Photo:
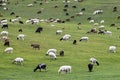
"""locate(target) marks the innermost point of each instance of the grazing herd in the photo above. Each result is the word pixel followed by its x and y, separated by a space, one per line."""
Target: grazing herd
pixel 52 53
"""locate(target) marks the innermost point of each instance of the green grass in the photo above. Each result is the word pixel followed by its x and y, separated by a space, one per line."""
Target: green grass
pixel 75 55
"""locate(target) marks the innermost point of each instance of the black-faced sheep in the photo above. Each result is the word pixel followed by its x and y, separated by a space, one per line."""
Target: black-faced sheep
pixel 35 46
pixel 65 68
pixel 84 39
pixel 65 37
pixel 40 66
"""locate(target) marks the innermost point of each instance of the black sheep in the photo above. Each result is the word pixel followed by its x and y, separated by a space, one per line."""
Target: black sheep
pixel 75 41
pixel 90 67
pixel 39 29
pixel 61 53
pixel 40 66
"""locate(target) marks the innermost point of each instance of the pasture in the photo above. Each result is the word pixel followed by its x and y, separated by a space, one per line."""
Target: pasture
pixel 75 55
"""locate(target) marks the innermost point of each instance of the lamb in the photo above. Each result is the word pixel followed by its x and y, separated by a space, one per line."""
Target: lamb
pixel 35 46
pixel 108 33
pixel 18 60
pixel 112 49
pixel 74 42
pixel 8 50
pixel 20 36
pixel 84 39
pixel 61 53
pixel 7 43
pixel 65 68
pixel 40 66
pixel 93 61
pixel 90 67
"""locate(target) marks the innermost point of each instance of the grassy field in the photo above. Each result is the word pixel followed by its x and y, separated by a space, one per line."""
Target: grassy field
pixel 75 55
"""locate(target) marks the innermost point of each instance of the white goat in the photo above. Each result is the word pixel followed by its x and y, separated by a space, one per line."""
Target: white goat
pixel 8 50
pixel 18 60
pixel 112 49
pixel 84 39
pixel 20 36
pixel 65 68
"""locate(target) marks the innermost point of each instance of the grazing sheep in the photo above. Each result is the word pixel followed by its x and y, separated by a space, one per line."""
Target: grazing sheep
pixel 102 21
pixel 59 32
pixel 84 39
pixel 7 43
pixel 30 5
pixel 40 66
pixel 52 55
pixel 112 49
pixel 20 30
pixel 4 33
pixel 61 53
pixel 90 67
pixel 65 37
pixel 74 42
pixel 108 33
pixel 65 68
pixel 93 61
pixel 8 50
pixel 39 29
pixel 20 36
pixel 35 46
pixel 18 60
pixel 51 50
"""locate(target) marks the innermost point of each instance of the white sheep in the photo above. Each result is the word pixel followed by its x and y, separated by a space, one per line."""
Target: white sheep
pixel 52 55
pixel 102 21
pixel 20 36
pixel 18 60
pixel 84 39
pixel 65 68
pixel 51 50
pixel 59 32
pixel 92 21
pixel 30 5
pixel 4 33
pixel 66 37
pixel 102 27
pixel 9 50
pixel 108 33
pixel 112 49
pixel 93 61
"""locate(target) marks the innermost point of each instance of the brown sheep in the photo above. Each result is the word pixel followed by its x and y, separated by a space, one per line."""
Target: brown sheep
pixel 35 46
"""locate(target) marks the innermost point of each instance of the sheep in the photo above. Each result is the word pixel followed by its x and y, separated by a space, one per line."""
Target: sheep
pixel 4 38
pixel 39 29
pixel 59 32
pixel 20 30
pixel 61 53
pixel 18 60
pixel 4 25
pixel 20 36
pixel 91 21
pixel 8 50
pixel 90 67
pixel 51 50
pixel 74 42
pixel 99 11
pixel 52 55
pixel 93 61
pixel 102 21
pixel 65 37
pixel 112 49
pixel 29 5
pixel 4 33
pixel 108 33
pixel 35 46
pixel 40 66
pixel 84 39
pixel 65 68
pixel 7 43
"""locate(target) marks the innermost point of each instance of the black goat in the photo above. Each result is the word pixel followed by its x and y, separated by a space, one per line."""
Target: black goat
pixel 40 66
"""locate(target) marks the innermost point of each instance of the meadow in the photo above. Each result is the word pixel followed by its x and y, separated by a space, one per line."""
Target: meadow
pixel 75 55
